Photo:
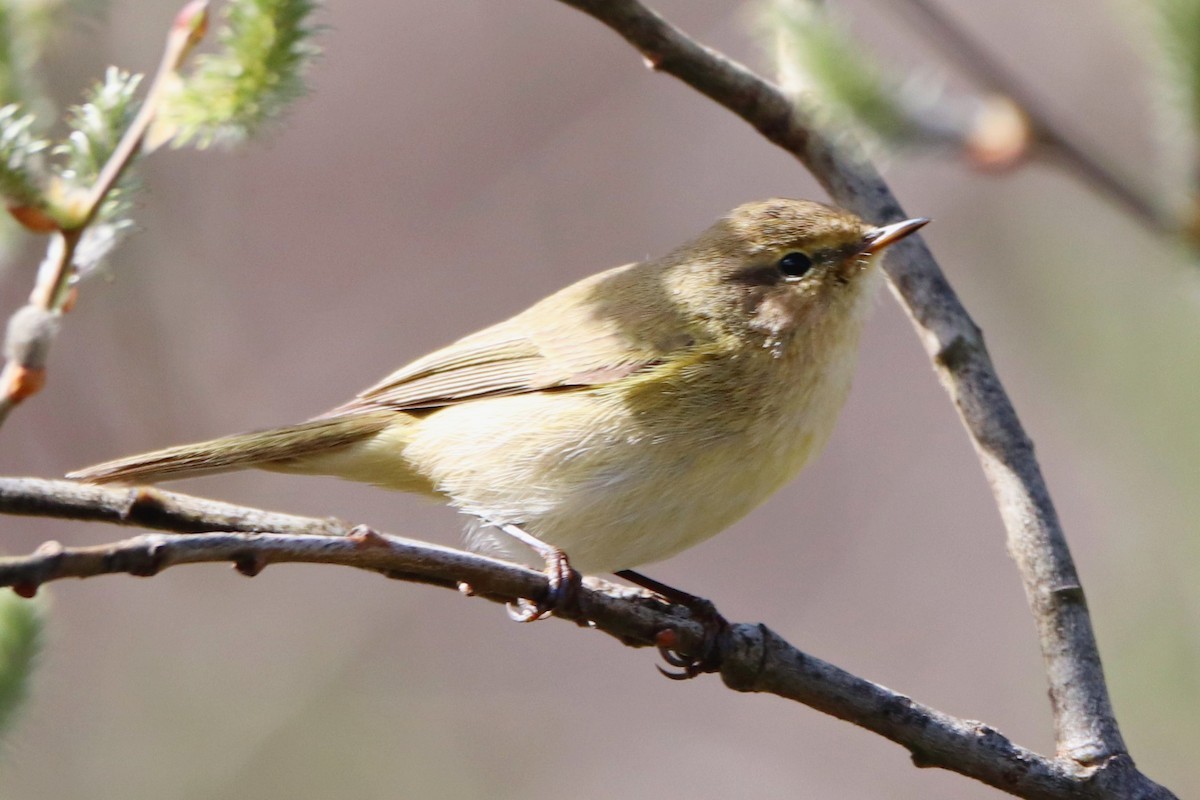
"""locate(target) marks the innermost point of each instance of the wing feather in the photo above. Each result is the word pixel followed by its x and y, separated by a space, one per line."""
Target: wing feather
pixel 534 351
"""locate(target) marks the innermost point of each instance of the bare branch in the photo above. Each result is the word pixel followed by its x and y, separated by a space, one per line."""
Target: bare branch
pixel 148 507
pixel 753 658
pixel 1086 728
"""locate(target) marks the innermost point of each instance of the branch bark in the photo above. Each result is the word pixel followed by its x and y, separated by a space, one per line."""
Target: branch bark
pixel 1086 728
pixel 753 658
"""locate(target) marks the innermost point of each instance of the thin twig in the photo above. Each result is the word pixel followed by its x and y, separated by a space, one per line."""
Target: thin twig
pixel 753 658
pixel 1056 140
pixel 23 376
pixel 1086 728
pixel 148 507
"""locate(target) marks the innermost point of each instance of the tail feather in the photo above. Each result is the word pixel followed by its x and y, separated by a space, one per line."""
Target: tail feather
pixel 239 451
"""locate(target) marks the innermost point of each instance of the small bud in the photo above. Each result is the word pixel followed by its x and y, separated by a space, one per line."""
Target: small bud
pixel 20 383
pixel 193 19
pixel 1000 136
pixel 362 536
pixel 34 219
pixel 31 331
pixel 249 564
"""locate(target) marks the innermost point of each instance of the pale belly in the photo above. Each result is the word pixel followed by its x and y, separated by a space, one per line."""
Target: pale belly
pixel 576 471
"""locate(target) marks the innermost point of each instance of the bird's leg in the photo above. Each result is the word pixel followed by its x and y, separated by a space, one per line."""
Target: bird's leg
pixel 703 611
pixel 564 580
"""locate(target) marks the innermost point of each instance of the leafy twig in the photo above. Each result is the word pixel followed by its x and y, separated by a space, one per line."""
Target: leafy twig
pixel 33 328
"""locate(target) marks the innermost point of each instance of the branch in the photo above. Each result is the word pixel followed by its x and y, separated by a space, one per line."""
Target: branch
pixel 34 327
pixel 971 57
pixel 1086 728
pixel 753 658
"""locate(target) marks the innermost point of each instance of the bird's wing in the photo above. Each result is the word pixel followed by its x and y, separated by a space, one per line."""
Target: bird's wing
pixel 531 352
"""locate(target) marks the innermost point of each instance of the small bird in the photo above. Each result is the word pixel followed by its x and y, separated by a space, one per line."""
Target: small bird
pixel 620 420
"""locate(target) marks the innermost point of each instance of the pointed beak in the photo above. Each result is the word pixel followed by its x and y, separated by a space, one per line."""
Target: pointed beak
pixel 879 238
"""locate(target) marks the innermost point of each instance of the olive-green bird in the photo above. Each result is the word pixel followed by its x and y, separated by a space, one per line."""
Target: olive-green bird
pixel 620 420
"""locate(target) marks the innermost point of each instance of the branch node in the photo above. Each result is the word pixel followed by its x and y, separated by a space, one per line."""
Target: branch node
pixel 250 563
pixel 144 563
pixel 1068 593
pixel 26 590
pixel 746 656
pixel 141 500
pixel 956 354
pixel 367 538
pixel 49 549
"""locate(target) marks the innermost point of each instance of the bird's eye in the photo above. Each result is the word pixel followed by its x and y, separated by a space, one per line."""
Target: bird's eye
pixel 795 265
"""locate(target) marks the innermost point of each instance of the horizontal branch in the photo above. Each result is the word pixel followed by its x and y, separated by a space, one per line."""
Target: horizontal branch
pixel 753 658
pixel 148 507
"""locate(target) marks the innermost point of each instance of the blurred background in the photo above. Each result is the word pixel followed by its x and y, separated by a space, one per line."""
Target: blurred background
pixel 456 161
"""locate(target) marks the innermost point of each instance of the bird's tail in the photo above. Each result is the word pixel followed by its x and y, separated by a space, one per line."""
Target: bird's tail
pixel 240 451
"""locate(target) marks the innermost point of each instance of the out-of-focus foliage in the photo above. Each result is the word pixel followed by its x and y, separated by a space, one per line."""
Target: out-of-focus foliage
pixel 20 157
pixel 1178 35
pixel 816 55
pixel 27 27
pixel 21 626
pixel 266 48
pixel 1175 50
pixel 96 127
pixel 886 109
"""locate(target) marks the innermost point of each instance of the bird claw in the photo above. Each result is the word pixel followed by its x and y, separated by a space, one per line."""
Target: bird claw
pixel 687 665
pixel 524 610
pixel 562 590
pixel 708 659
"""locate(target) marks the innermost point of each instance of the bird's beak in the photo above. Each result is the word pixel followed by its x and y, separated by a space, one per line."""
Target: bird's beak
pixel 879 238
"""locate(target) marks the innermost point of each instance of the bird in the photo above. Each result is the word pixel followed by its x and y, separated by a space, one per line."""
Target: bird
pixel 618 421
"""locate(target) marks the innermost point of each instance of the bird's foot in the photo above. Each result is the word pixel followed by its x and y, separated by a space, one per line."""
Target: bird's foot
pixel 686 664
pixel 563 581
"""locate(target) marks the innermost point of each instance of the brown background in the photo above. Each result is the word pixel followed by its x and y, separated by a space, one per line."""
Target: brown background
pixel 454 162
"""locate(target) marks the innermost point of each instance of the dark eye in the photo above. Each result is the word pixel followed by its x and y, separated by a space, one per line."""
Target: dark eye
pixel 795 265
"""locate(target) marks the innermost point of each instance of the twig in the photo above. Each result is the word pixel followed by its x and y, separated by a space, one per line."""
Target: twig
pixel 189 27
pixel 1086 728
pixel 987 70
pixel 753 658
pixel 147 507
pixel 27 345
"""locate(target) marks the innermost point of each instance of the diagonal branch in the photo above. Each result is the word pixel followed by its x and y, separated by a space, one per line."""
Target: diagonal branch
pixel 753 658
pixel 1086 728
